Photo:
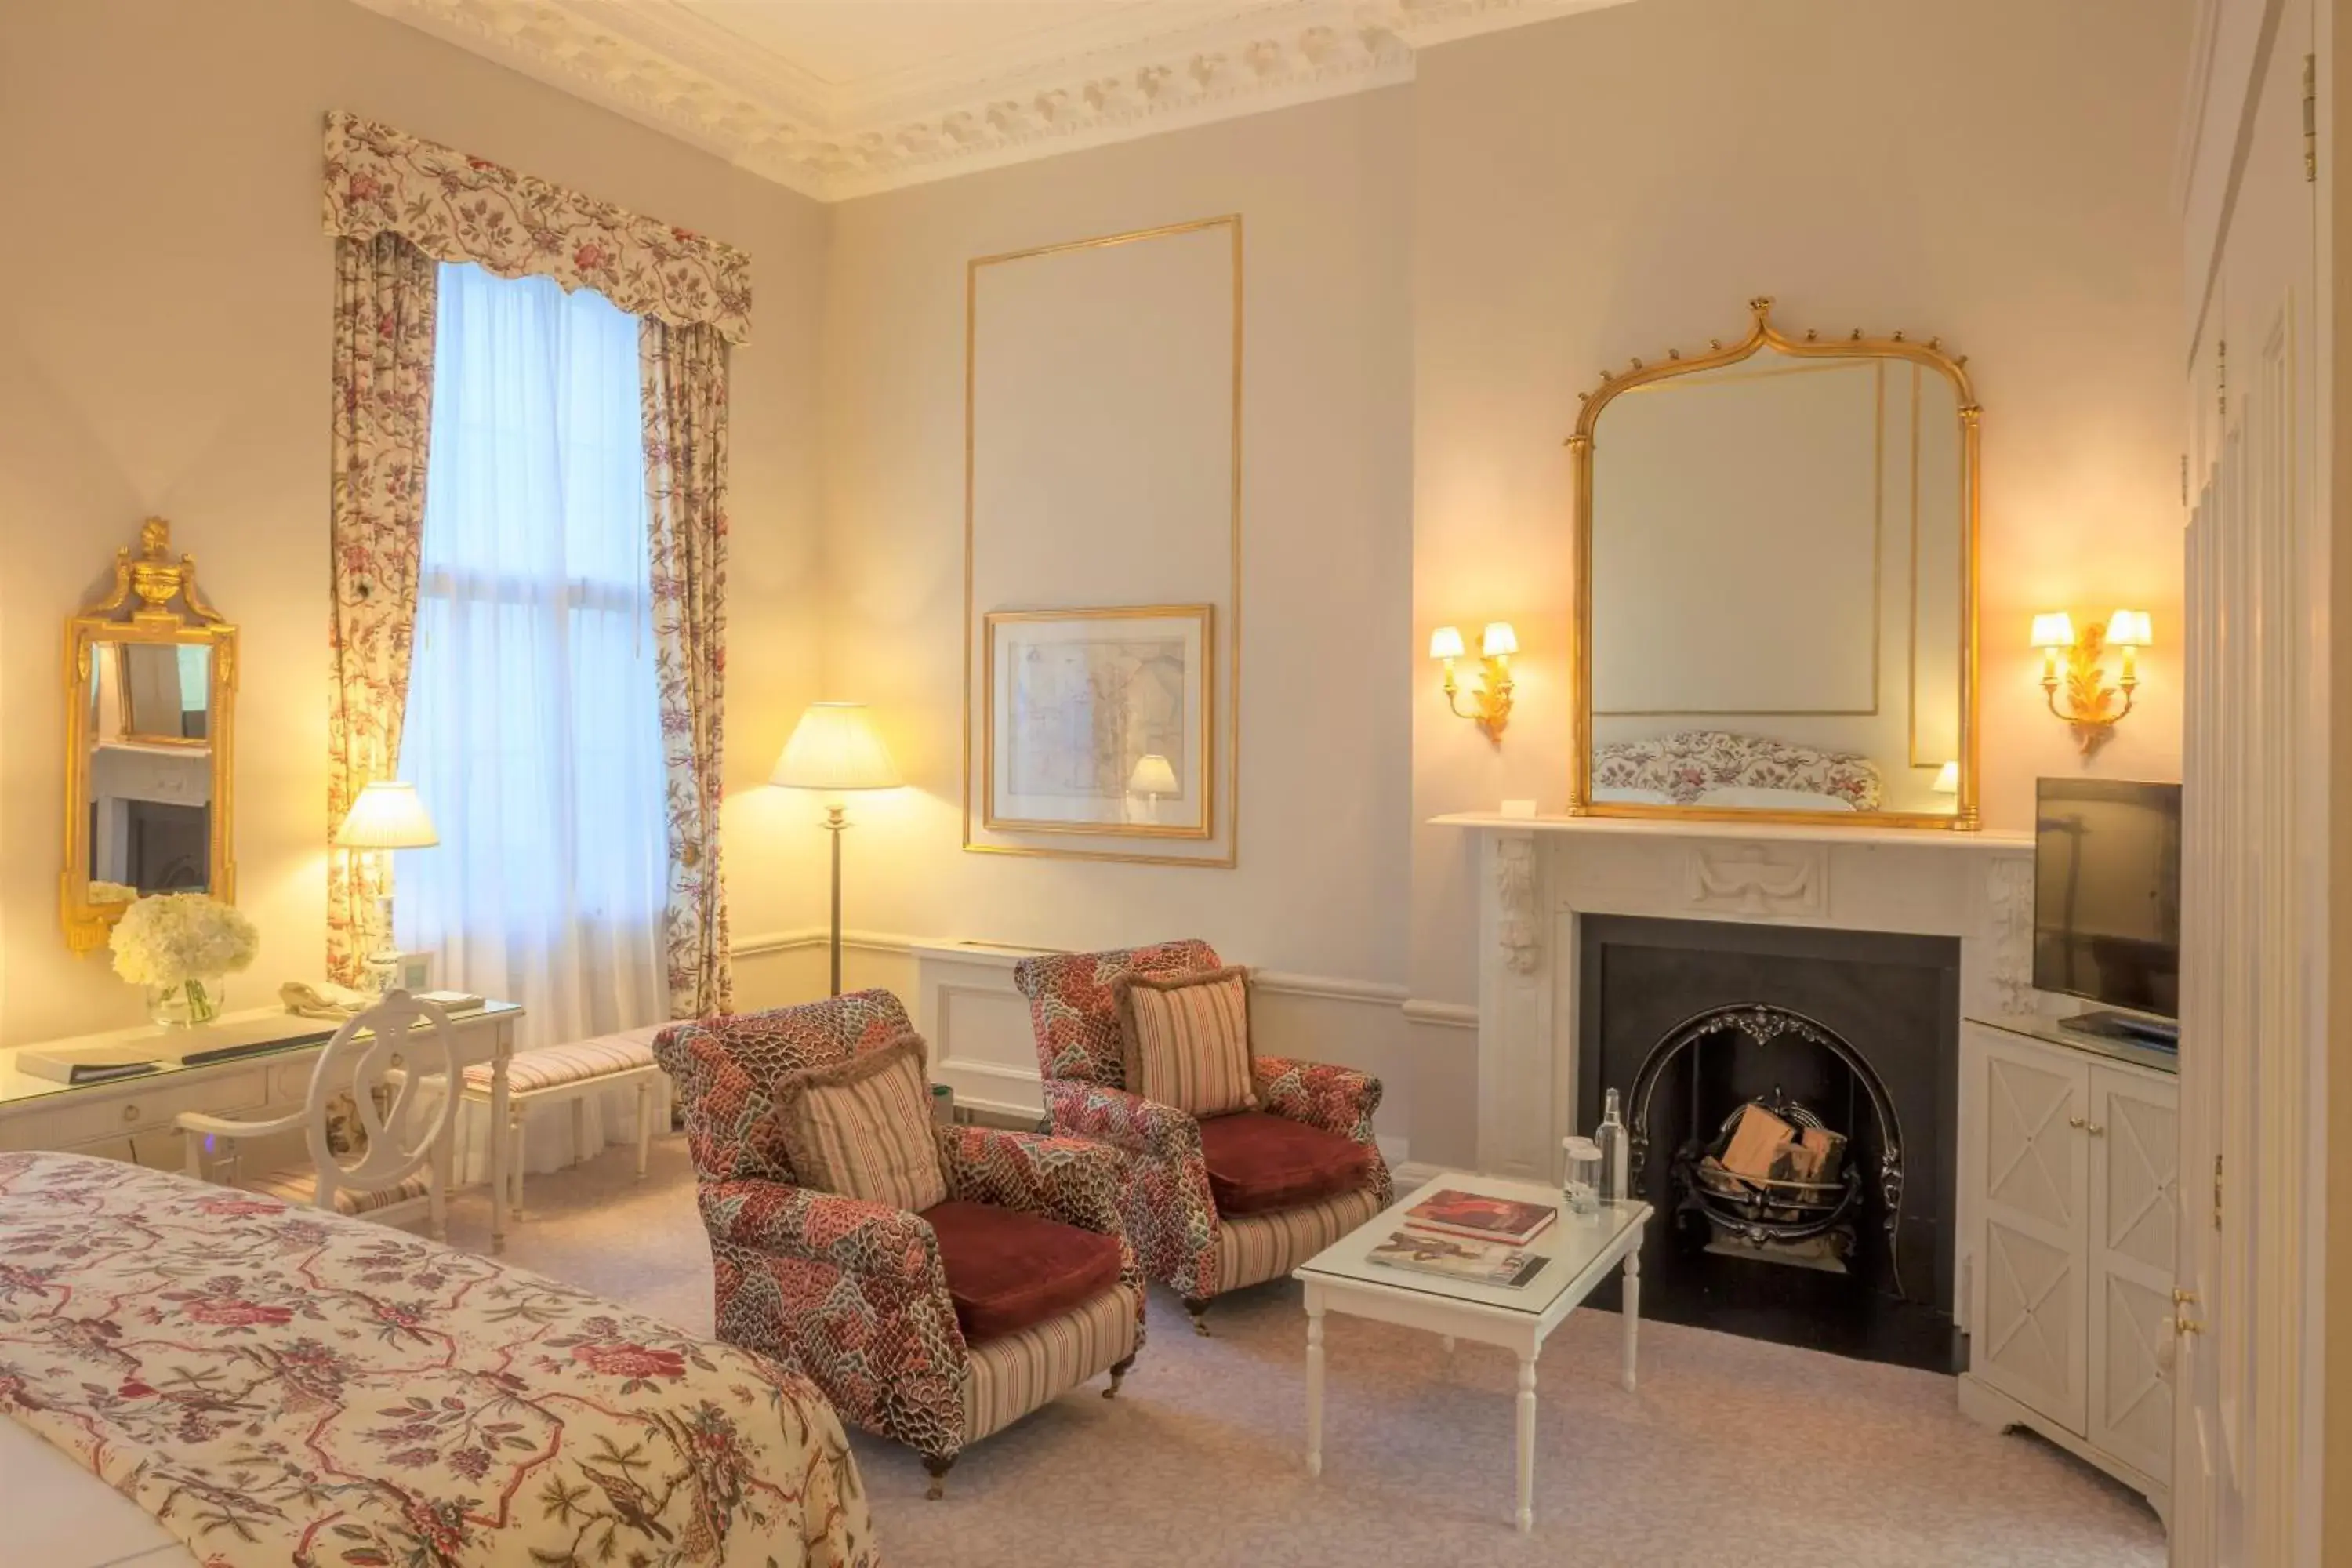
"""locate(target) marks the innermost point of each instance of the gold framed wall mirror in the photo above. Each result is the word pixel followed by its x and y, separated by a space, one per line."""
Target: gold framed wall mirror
pixel 1776 564
pixel 149 689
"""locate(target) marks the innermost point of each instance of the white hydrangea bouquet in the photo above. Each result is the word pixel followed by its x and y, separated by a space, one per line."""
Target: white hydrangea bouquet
pixel 178 945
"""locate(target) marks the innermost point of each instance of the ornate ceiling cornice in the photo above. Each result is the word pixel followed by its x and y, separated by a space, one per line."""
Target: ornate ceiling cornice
pixel 1123 74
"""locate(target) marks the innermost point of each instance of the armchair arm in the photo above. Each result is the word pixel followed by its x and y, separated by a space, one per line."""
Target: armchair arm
pixel 851 1293
pixel 1071 1180
pixel 1129 1121
pixel 870 1239
pixel 1335 1099
pixel 1164 1196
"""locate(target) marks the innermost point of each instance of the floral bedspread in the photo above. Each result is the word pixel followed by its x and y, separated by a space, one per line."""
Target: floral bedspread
pixel 280 1386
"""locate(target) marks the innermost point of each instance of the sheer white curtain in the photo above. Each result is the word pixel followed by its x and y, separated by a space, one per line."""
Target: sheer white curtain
pixel 533 732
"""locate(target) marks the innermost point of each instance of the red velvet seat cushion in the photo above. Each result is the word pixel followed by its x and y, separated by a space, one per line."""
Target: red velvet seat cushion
pixel 1007 1270
pixel 1259 1162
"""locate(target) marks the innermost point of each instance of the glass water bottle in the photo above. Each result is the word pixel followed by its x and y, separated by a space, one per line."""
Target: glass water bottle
pixel 1610 1136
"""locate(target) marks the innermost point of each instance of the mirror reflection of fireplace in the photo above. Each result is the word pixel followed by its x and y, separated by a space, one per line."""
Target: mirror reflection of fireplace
pixel 1801 1168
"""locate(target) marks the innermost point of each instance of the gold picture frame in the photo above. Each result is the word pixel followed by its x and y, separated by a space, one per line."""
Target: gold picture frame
pixel 1228 777
pixel 1763 334
pixel 155 580
pixel 1193 738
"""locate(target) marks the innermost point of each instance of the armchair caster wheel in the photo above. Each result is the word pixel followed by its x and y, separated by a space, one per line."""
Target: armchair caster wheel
pixel 1117 1373
pixel 1198 1306
pixel 939 1470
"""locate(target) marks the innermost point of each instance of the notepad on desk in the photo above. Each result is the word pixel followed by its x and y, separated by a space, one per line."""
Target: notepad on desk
pixel 90 1064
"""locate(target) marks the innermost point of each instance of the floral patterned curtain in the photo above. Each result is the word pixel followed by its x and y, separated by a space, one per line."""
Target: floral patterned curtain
pixel 397 207
pixel 382 420
pixel 684 385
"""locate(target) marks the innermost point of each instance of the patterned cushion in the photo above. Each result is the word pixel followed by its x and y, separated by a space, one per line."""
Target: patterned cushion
pixel 1008 1376
pixel 1072 1014
pixel 1259 1163
pixel 1184 1039
pixel 550 1066
pixel 299 1183
pixel 1254 1247
pixel 862 1129
pixel 1007 1270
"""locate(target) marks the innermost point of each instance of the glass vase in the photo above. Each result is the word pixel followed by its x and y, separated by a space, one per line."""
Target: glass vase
pixel 186 1005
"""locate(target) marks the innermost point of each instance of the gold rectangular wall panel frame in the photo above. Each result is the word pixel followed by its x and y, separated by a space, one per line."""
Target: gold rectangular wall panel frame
pixel 1230 750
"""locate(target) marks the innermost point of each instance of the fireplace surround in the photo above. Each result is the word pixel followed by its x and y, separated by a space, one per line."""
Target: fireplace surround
pixel 1785 889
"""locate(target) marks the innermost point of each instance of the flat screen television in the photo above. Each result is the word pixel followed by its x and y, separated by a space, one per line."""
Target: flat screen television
pixel 2107 900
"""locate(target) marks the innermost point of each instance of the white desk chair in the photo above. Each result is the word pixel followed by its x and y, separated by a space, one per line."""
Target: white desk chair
pixel 384 1061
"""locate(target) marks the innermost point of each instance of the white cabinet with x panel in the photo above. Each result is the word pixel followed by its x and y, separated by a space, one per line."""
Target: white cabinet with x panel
pixel 2069 1176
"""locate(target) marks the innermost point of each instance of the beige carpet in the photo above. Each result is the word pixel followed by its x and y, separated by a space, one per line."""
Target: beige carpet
pixel 1733 1452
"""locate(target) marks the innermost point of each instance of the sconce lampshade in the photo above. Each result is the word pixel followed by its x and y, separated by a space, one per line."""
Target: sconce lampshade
pixel 835 747
pixel 1152 776
pixel 1947 779
pixel 1499 640
pixel 2053 630
pixel 1445 642
pixel 2127 628
pixel 387 816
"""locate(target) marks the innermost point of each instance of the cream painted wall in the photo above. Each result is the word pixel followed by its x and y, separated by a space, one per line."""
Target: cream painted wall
pixel 163 349
pixel 1325 671
pixel 1615 184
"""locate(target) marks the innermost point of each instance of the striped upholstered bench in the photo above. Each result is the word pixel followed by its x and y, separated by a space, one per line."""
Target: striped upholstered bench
pixel 576 1072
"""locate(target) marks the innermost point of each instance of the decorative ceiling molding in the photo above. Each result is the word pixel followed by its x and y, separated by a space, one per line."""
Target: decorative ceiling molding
pixel 1103 76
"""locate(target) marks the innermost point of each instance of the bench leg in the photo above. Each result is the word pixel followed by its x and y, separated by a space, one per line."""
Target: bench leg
pixel 580 1150
pixel 645 1123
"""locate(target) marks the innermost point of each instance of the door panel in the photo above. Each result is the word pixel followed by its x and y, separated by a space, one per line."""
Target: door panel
pixel 2029 1338
pixel 2133 1132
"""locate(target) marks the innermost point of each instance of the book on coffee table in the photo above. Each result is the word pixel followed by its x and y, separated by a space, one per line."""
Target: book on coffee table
pixel 1482 1218
pixel 1454 1257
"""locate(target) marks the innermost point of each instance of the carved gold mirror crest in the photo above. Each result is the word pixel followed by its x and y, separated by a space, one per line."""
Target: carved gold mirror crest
pixel 149 689
pixel 1776 578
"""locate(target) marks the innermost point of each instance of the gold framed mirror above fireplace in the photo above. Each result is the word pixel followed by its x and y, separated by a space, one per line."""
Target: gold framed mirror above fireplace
pixel 1776 544
pixel 149 689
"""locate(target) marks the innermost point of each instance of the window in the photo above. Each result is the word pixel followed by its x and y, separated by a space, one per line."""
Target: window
pixel 533 733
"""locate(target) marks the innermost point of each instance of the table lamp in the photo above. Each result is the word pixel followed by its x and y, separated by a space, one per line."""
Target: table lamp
pixel 834 748
pixel 387 816
pixel 1153 777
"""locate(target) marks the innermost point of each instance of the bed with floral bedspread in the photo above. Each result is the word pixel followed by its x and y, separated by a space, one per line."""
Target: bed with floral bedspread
pixel 280 1387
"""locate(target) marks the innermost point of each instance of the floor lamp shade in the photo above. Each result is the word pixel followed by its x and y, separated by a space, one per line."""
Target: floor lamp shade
pixel 836 747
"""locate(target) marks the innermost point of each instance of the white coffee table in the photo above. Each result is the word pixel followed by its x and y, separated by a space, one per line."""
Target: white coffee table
pixel 1583 1249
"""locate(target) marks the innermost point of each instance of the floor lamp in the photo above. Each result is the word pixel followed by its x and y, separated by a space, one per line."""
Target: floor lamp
pixel 834 750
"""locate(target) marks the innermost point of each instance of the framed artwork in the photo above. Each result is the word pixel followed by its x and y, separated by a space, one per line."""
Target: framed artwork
pixel 1099 721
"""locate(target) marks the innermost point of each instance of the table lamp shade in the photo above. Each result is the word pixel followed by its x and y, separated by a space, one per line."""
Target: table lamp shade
pixel 835 747
pixel 1153 774
pixel 1947 778
pixel 387 816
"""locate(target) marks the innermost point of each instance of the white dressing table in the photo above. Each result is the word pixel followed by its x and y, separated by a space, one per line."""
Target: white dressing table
pixel 129 1119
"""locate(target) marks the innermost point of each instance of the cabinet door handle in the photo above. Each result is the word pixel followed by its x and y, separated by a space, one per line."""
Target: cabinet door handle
pixel 2080 1125
pixel 130 1112
pixel 2186 1325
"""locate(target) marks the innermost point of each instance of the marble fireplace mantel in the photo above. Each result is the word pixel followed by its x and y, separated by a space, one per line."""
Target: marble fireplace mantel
pixel 1538 876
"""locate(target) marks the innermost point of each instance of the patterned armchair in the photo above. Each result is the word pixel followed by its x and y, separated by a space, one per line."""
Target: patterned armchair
pixel 1211 1206
pixel 906 1321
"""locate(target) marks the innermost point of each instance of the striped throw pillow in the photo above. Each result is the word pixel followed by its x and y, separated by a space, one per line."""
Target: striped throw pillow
pixel 1184 1039
pixel 862 1129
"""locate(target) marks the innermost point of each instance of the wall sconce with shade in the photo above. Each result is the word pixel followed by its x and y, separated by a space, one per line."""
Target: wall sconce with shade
pixel 2091 706
pixel 386 816
pixel 1491 700
pixel 1152 778
pixel 835 749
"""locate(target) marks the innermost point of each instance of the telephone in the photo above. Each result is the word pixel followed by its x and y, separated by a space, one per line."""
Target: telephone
pixel 328 1001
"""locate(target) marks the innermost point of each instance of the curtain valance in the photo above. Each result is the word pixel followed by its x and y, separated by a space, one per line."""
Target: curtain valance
pixel 459 208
